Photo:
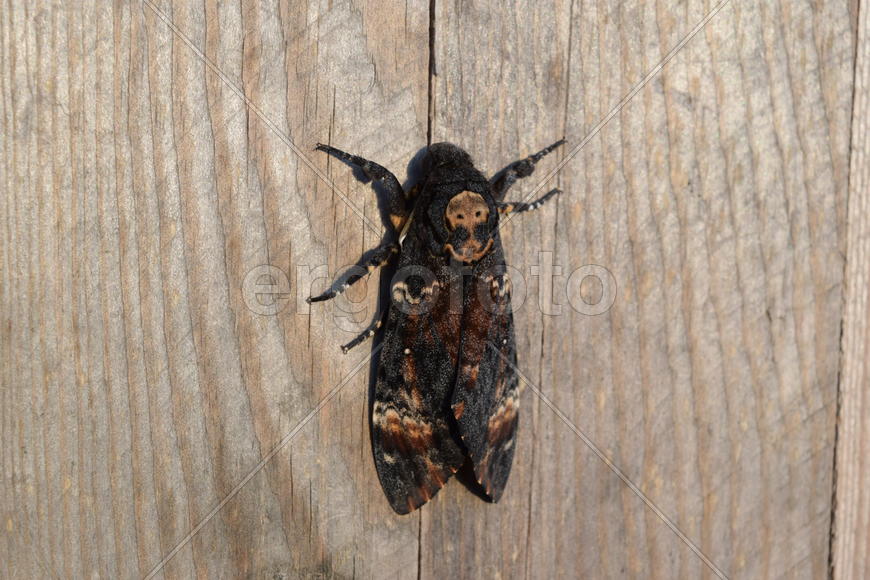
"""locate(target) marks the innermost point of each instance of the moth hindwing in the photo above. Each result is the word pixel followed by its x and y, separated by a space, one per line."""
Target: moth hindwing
pixel 447 385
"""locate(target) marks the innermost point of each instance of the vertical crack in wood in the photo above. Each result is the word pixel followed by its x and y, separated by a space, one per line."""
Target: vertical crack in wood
pixel 837 413
pixel 432 73
pixel 430 120
pixel 420 545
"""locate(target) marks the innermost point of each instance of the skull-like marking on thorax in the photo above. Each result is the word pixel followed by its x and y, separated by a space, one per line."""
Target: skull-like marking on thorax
pixel 465 213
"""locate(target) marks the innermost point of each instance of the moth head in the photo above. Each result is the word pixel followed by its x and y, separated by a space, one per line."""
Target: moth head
pixel 469 219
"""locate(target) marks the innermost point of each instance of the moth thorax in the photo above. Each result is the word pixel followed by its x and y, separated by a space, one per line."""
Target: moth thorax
pixel 467 210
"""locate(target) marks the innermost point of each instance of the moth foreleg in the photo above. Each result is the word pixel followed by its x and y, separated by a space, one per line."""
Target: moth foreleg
pixel 396 203
pixel 379 256
pixel 504 179
pixel 506 207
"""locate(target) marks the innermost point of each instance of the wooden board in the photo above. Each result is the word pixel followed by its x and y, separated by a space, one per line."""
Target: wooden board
pixel 852 502
pixel 716 197
pixel 158 415
pixel 139 192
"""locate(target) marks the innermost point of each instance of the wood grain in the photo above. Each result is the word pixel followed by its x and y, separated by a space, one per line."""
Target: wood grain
pixel 852 502
pixel 140 190
pixel 716 198
pixel 151 179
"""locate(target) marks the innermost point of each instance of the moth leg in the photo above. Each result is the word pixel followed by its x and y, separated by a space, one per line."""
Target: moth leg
pixel 506 207
pixel 365 334
pixel 396 199
pixel 504 179
pixel 380 256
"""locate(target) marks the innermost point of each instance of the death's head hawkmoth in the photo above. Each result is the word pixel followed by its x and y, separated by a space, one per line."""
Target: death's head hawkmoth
pixel 447 386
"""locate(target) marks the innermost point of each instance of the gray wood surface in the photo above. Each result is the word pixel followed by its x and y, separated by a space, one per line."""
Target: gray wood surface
pixel 157 416
pixel 716 197
pixel 851 548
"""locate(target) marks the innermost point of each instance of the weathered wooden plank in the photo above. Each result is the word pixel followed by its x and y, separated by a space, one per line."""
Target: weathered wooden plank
pixel 716 198
pixel 139 388
pixel 852 476
pixel 147 176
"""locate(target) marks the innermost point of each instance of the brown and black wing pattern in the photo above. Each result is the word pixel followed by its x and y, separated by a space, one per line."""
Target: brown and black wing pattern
pixel 415 450
pixel 486 397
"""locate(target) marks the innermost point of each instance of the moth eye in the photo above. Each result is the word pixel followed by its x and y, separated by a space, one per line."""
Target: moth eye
pixel 477 214
pixel 459 216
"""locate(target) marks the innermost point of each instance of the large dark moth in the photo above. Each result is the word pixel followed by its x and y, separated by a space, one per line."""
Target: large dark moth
pixel 447 386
